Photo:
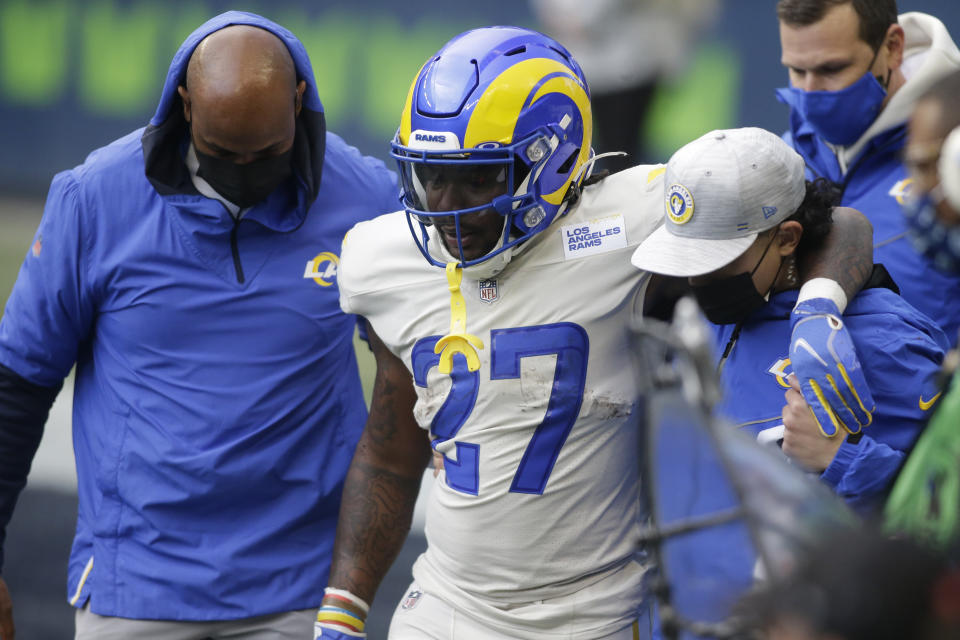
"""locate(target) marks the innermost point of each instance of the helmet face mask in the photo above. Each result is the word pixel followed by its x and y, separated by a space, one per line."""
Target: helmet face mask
pixel 492 181
pixel 496 123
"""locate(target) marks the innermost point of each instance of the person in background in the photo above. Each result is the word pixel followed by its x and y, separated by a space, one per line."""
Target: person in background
pixel 933 209
pixel 627 49
pixel 856 71
pixel 925 501
pixel 188 270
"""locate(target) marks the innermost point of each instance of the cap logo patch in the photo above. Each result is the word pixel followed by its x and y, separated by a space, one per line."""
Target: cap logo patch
pixel 679 204
pixel 769 211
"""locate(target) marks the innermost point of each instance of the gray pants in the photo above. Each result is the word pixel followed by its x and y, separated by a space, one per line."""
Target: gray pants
pixel 292 625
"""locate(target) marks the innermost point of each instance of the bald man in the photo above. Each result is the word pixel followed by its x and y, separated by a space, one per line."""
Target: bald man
pixel 189 270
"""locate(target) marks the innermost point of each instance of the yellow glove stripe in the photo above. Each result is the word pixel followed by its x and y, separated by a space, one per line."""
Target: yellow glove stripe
pixel 853 390
pixel 836 390
pixel 827 408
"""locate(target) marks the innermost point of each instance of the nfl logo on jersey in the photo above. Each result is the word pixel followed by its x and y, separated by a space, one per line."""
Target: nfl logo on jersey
pixel 488 290
pixel 412 599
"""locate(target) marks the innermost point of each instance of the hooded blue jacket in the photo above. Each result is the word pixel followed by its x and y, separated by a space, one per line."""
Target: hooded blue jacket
pixel 217 401
pixel 900 351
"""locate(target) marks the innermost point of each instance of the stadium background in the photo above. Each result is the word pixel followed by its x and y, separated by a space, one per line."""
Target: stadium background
pixel 75 74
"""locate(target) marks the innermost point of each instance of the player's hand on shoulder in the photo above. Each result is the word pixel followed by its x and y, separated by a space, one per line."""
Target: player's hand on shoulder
pixel 827 368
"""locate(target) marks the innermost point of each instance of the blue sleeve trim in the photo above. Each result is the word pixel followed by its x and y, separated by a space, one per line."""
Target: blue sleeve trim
pixel 24 408
pixel 863 473
pixel 841 462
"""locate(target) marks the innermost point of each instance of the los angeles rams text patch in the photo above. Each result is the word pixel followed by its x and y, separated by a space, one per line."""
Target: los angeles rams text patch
pixel 583 239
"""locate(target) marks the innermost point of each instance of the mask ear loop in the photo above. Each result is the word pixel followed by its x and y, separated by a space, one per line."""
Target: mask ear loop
pixel 458 340
pixel 883 83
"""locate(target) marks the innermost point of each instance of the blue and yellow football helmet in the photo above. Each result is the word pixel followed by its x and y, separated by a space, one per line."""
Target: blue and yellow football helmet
pixel 513 105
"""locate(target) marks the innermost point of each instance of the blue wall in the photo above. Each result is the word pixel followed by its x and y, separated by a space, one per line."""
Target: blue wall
pixel 76 74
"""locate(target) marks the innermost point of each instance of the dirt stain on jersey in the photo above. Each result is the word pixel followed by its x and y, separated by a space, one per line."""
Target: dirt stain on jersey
pixel 605 407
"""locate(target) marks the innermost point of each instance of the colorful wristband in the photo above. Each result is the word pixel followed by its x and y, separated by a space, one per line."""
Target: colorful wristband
pixel 340 619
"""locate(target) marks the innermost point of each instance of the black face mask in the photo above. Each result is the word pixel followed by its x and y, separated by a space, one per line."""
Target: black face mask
pixel 245 184
pixel 732 299
pixel 729 300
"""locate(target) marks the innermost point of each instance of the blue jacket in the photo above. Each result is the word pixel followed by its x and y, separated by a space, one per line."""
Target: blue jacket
pixel 875 184
pixel 900 350
pixel 217 402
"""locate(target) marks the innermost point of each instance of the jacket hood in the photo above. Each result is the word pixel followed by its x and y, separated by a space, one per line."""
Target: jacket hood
pixel 164 138
pixel 929 54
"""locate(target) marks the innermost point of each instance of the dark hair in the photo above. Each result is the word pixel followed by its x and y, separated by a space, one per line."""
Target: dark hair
pixel 946 92
pixel 815 214
pixel 875 16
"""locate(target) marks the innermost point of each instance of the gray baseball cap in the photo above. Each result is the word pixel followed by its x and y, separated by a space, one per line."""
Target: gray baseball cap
pixel 720 192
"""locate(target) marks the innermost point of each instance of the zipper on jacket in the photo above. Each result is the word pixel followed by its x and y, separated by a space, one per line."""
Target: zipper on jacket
pixel 236 251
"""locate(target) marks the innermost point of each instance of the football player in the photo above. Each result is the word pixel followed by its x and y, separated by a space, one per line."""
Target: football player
pixel 502 331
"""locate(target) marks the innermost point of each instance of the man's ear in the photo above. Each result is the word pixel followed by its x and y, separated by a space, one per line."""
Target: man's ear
pixel 298 99
pixel 185 97
pixel 788 237
pixel 894 43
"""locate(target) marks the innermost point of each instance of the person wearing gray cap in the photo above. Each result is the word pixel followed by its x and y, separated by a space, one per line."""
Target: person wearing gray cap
pixel 738 215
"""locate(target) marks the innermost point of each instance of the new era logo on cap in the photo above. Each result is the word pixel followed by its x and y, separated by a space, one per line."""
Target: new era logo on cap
pixel 769 211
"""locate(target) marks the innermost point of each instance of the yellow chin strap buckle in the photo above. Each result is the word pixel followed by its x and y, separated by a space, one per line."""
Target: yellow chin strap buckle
pixel 458 340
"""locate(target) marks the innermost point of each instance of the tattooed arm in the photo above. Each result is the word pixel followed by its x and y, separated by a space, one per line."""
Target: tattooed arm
pixel 382 483
pixel 846 254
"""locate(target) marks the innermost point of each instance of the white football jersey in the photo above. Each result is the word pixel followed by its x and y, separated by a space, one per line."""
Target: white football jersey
pixel 539 493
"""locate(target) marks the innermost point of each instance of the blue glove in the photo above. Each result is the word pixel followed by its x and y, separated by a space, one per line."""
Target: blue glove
pixel 324 632
pixel 826 365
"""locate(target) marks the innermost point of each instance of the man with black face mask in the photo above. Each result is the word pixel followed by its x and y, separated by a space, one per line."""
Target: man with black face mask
pixel 189 271
pixel 856 69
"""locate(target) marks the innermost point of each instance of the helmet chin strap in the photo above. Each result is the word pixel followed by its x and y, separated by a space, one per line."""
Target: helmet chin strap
pixel 586 170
